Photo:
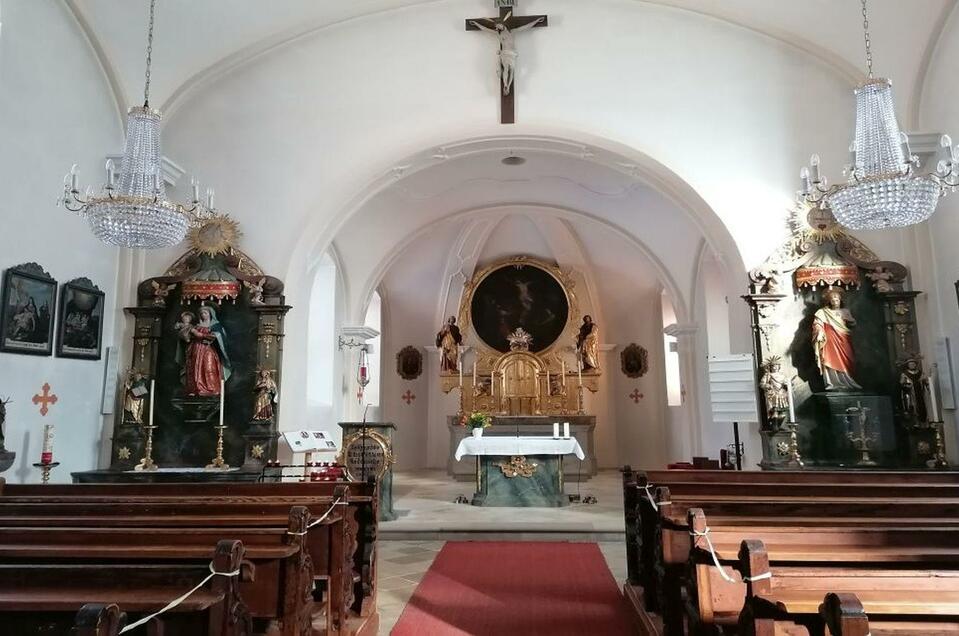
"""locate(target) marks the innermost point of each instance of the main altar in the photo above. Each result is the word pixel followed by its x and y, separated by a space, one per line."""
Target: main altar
pixel 521 352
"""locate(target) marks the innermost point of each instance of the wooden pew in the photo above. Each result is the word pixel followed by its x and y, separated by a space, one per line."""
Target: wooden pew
pixel 362 499
pixel 278 588
pixel 713 600
pixel 97 619
pixel 42 595
pixel 658 540
pixel 331 548
pixel 874 598
pixel 851 476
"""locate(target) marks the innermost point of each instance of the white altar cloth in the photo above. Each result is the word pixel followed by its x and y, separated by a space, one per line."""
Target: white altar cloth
pixel 505 445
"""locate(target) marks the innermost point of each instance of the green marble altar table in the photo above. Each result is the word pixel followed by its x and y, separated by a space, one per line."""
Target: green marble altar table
pixel 519 471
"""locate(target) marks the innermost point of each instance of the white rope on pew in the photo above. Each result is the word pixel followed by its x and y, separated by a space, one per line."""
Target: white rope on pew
pixel 320 519
pixel 653 502
pixel 650 497
pixel 722 571
pixel 172 604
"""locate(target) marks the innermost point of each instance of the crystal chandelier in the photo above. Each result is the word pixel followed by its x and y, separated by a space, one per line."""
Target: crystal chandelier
pixel 882 189
pixel 132 210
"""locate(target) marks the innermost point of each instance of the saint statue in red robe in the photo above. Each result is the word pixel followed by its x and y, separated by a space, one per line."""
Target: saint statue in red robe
pixel 832 342
pixel 202 353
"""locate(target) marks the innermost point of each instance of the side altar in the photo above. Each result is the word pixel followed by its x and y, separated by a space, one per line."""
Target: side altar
pixel 199 398
pixel 840 374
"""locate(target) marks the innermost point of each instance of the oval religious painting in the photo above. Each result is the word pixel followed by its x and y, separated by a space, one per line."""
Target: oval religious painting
pixel 519 295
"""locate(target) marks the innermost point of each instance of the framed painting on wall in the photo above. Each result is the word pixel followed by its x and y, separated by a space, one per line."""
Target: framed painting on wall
pixel 80 324
pixel 29 302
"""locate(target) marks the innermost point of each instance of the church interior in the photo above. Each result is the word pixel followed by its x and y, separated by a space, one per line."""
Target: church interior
pixel 434 317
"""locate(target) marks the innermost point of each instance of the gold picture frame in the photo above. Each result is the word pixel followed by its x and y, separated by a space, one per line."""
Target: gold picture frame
pixel 563 277
pixel 377 439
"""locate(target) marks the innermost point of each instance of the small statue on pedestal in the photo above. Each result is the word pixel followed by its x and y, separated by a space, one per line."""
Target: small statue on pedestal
pixel 587 344
pixel 832 343
pixel 775 388
pixel 134 395
pixel 880 279
pixel 266 391
pixel 449 340
pixel 912 399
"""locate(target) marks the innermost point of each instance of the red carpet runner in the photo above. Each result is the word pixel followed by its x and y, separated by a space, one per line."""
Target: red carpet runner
pixel 516 588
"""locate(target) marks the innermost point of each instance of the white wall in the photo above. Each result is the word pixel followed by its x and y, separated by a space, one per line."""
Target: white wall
pixel 727 117
pixel 935 263
pixel 55 109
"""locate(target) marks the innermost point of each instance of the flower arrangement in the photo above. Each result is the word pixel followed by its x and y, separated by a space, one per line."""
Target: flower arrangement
pixel 476 419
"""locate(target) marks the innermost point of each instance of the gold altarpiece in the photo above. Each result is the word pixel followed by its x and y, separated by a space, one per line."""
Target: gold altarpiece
pixel 524 380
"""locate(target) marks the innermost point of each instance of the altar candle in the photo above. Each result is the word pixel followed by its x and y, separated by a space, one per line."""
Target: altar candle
pixel 579 367
pixel 564 372
pixel 792 404
pixel 548 392
pixel 222 398
pixel 566 430
pixel 459 363
pixel 555 430
pixel 46 453
pixel 153 385
pixel 933 404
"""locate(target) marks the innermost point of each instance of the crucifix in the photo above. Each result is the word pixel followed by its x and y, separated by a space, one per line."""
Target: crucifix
pixel 504 27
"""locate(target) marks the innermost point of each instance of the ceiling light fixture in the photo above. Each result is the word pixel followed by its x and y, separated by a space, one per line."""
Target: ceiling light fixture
pixel 882 189
pixel 132 210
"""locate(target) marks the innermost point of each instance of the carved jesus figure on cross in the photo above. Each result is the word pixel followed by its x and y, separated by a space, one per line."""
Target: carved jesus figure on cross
pixel 503 28
pixel 507 45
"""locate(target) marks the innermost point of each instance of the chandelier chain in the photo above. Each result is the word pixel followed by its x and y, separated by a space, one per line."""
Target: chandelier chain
pixel 146 88
pixel 868 41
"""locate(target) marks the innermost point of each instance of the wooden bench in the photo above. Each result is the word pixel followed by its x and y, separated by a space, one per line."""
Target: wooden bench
pixel 363 502
pixel 330 549
pixel 97 619
pixel 658 541
pixel 869 597
pixel 43 595
pixel 278 587
pixel 712 599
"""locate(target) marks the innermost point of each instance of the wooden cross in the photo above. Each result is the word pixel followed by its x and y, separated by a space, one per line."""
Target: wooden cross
pixel 408 397
pixel 504 27
pixel 45 399
pixel 636 396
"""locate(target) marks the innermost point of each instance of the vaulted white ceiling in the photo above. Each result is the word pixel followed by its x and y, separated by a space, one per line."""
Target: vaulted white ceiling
pixel 198 39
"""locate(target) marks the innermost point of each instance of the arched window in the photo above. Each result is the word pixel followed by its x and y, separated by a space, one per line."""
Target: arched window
pixel 374 321
pixel 674 385
pixel 321 349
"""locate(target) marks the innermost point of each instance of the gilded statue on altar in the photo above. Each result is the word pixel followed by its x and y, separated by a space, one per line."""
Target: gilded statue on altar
pixel 202 352
pixel 266 390
pixel 587 344
pixel 134 395
pixel 775 388
pixel 449 340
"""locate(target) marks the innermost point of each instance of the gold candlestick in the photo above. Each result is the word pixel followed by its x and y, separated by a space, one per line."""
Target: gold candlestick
pixel 146 462
pixel 218 462
pixel 795 459
pixel 45 469
pixel 939 460
pixel 581 410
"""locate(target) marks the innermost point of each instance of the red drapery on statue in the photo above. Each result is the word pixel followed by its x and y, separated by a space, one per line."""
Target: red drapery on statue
pixel 204 370
pixel 837 351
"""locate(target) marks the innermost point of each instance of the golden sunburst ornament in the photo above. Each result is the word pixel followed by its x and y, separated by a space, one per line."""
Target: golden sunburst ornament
pixel 214 236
